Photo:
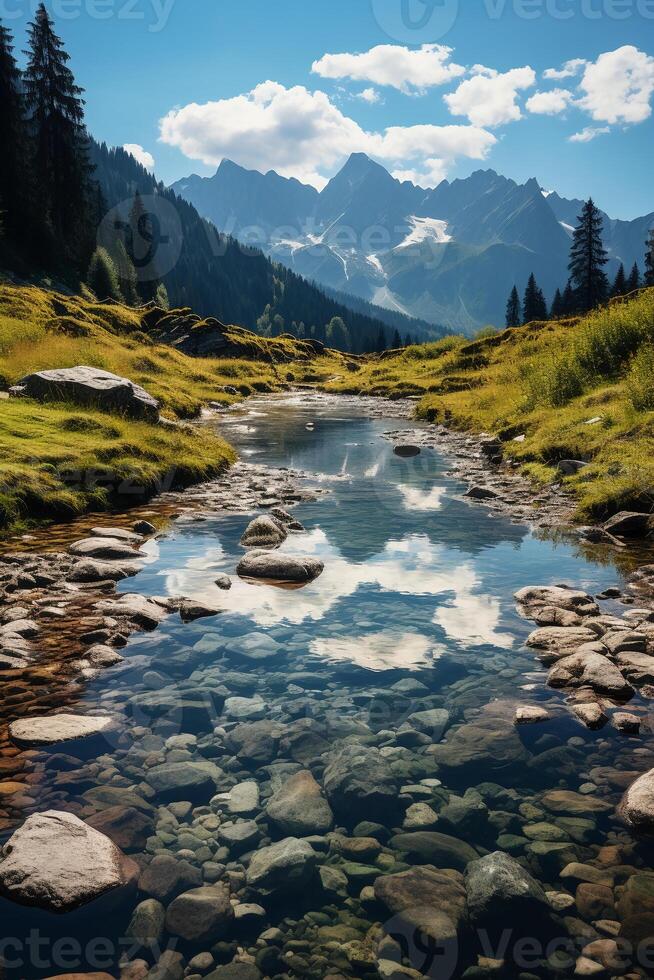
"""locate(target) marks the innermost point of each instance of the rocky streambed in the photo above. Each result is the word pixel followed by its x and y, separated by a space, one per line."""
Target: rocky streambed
pixel 337 716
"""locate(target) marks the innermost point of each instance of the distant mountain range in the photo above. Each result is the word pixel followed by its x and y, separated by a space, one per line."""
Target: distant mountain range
pixel 217 276
pixel 448 255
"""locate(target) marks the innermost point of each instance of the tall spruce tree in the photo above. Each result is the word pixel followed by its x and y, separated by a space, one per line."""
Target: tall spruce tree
pixel 60 144
pixel 513 309
pixel 557 309
pixel 569 300
pixel 15 185
pixel 588 258
pixel 649 259
pixel 619 287
pixel 142 249
pixel 534 306
pixel 633 282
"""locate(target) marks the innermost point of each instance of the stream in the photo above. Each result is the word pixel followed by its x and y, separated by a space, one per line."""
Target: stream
pixel 393 678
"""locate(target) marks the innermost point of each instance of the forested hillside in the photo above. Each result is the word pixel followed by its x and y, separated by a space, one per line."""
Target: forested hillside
pixel 78 212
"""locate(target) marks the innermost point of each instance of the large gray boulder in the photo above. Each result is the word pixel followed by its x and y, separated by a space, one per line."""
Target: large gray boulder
pixel 629 524
pixel 193 781
pixel 264 532
pixel 52 729
pixel 287 864
pixel 89 386
pixel 202 915
pixel 591 670
pixel 425 904
pixel 501 891
pixel 636 808
pixel 360 786
pixel 574 600
pixel 58 863
pixel 430 847
pixel 276 567
pixel 146 927
pixel 106 549
pixel 299 809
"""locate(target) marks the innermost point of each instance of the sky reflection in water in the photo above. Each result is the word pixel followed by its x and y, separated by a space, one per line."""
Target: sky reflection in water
pixel 412 571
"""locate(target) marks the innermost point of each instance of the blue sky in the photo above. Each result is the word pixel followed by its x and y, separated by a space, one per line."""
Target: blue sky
pixel 200 66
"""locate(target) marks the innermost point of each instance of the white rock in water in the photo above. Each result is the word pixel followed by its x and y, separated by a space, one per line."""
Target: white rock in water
pixel 276 567
pixel 58 863
pixel 289 863
pixel 636 808
pixel 591 714
pixel 528 715
pixel 51 729
pixel 554 595
pixel 264 532
pixel 107 549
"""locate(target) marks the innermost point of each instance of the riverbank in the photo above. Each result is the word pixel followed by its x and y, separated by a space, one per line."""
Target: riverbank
pixel 62 460
pixel 588 438
pixel 574 390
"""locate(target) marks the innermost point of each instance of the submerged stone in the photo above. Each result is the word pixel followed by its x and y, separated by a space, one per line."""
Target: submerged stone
pixel 286 865
pixel 501 890
pixel 299 809
pixel 58 863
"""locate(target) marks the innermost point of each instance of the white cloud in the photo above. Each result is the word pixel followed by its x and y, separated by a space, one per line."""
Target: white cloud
pixel 489 98
pixel 618 87
pixel 292 131
pixel 588 134
pixel 569 70
pixel 549 103
pixel 143 157
pixel 428 175
pixel 419 142
pixel 402 68
pixel 370 95
pixel 303 134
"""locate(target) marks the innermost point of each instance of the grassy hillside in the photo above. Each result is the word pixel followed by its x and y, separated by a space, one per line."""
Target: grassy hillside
pixel 60 460
pixel 576 389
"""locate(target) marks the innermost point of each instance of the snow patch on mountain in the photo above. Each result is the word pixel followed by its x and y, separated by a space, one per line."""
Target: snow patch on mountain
pixel 425 230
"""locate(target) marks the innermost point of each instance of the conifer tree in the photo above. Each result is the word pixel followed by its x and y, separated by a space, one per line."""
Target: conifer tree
pixel 588 258
pixel 126 272
pixel 142 248
pixel 15 187
pixel 633 282
pixel 102 276
pixel 397 340
pixel 381 340
pixel 568 300
pixel 408 340
pixel 534 306
pixel 649 259
pixel 619 287
pixel 513 309
pixel 61 167
pixel 556 310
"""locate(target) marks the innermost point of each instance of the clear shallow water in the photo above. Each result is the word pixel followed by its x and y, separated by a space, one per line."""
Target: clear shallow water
pixel 418 586
pixel 413 572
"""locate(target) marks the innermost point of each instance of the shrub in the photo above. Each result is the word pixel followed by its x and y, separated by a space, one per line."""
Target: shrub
pixel 640 380
pixel 102 276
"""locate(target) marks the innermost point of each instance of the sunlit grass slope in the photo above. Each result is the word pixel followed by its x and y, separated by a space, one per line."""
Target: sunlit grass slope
pixel 576 389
